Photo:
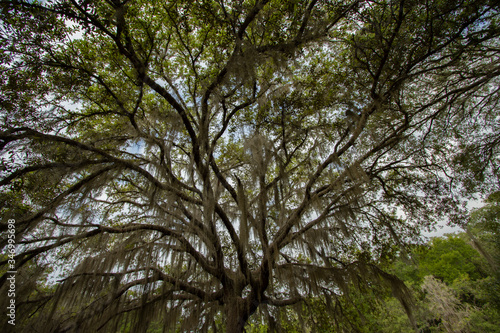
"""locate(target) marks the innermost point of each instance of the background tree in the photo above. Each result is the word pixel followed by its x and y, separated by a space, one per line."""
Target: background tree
pixel 452 283
pixel 450 295
pixel 483 227
pixel 194 160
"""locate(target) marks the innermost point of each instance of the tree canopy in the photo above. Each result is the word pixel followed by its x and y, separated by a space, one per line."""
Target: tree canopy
pixel 176 162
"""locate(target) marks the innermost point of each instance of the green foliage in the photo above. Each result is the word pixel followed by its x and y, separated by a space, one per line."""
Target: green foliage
pixel 451 285
pixel 449 259
pixel 484 230
pixel 244 160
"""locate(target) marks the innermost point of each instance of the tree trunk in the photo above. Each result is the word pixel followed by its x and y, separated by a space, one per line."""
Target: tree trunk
pixel 237 312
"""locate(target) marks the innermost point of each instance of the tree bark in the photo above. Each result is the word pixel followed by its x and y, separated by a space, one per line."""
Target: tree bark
pixel 238 310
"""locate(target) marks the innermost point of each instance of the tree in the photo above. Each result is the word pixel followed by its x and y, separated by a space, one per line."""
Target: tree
pixel 483 229
pixel 451 286
pixel 450 279
pixel 179 159
pixel 448 258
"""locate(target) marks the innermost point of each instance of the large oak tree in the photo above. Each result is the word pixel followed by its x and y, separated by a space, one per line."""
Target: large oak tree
pixel 175 162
